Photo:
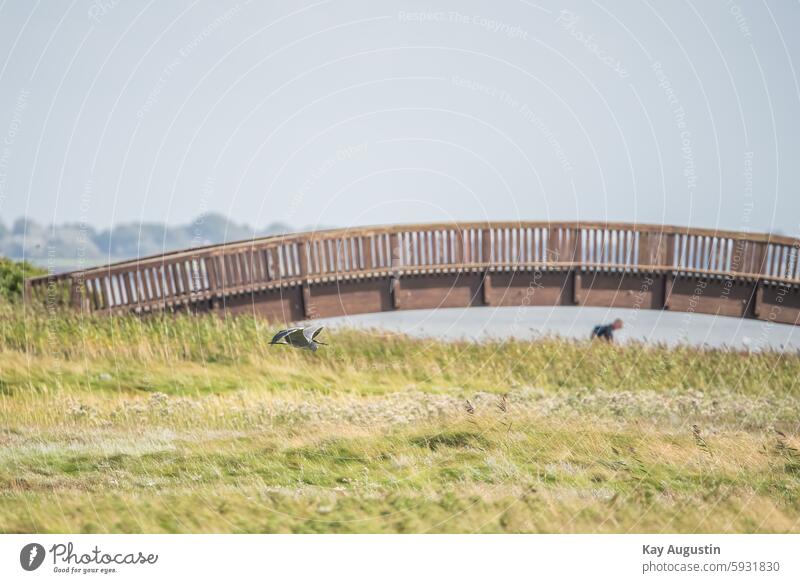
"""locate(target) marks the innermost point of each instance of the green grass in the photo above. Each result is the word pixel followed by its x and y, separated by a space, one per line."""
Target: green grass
pixel 198 425
pixel 12 278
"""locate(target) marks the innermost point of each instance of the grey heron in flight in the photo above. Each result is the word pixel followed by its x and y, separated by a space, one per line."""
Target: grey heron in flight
pixel 299 337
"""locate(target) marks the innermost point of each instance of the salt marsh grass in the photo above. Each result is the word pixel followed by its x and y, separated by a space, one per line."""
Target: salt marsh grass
pixel 196 424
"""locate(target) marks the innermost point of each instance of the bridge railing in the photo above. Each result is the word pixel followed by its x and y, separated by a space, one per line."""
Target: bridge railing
pixel 204 273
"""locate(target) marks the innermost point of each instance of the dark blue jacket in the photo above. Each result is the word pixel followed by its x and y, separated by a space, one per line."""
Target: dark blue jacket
pixel 605 332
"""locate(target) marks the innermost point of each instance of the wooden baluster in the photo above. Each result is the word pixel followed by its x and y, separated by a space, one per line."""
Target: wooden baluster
pixel 126 282
pixel 96 296
pixel 74 298
pixel 233 270
pixel 459 255
pixel 241 274
pixel 487 258
pixel 658 249
pixel 247 266
pixel 669 250
pixel 263 262
pixel 398 257
pixel 81 293
pixel 353 254
pixel 159 293
pixel 244 268
pixel 568 249
pixel 186 276
pixel 220 271
pixel 212 273
pixel 91 299
pixel 553 245
pixel 177 280
pixel 166 281
pixel 258 265
pixel 719 254
pixel 700 253
pixel 277 263
pixel 230 272
pixel 321 258
pixel 339 248
pixel 759 258
pixel 648 243
pixel 366 249
pixel 303 256
pixel 266 259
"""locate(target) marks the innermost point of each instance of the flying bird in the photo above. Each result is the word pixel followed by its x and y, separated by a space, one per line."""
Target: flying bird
pixel 299 337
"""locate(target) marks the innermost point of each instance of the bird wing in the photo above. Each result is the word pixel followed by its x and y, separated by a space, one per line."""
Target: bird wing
pixel 312 333
pixel 296 336
pixel 283 334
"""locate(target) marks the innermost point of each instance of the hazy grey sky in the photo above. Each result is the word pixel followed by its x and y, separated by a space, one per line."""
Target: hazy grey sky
pixel 363 112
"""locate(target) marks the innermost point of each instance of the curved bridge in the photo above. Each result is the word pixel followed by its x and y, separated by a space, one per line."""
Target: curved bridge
pixel 351 271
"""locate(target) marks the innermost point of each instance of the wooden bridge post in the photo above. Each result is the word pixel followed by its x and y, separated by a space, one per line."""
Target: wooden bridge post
pixel 486 258
pixel 670 264
pixel 365 252
pixel 577 283
pixel 396 264
pixel 79 293
pixel 758 300
pixel 760 267
pixel 213 280
pixel 575 260
pixel 302 252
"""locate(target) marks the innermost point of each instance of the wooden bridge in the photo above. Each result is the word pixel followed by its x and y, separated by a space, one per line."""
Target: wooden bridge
pixel 374 269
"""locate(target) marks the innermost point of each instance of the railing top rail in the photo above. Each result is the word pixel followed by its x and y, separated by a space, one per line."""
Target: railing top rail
pixel 260 242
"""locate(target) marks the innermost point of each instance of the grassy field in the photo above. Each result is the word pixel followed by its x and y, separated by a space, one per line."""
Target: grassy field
pixel 198 425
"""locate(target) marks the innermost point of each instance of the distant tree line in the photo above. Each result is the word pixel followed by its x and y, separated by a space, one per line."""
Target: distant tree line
pixel 71 245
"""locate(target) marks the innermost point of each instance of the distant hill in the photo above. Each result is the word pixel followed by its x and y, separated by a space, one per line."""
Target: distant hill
pixel 72 246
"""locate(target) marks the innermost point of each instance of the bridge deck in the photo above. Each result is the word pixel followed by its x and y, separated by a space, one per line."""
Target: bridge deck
pixel 348 271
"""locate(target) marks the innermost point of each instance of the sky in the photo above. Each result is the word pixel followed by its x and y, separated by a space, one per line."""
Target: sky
pixel 344 113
